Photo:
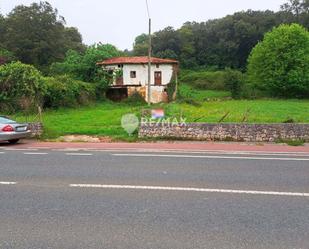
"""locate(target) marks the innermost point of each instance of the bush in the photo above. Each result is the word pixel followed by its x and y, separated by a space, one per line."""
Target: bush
pixel 6 56
pixel 230 80
pixel 21 87
pixel 83 66
pixel 278 66
pixel 135 98
pixel 62 91
pixel 205 80
pixel 234 82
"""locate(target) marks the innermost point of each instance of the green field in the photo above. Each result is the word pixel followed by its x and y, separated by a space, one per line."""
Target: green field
pixel 104 119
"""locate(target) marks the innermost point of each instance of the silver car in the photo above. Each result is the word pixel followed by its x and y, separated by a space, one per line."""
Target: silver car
pixel 12 131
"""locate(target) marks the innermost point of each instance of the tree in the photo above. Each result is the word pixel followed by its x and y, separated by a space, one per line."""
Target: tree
pixel 227 42
pixel 278 66
pixel 219 43
pixel 166 43
pixel 37 35
pixel 296 7
pixel 2 30
pixel 187 53
pixel 140 47
pixel 82 66
pixel 299 10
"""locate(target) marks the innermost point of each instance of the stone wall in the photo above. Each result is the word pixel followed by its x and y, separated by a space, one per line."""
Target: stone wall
pixel 36 129
pixel 227 132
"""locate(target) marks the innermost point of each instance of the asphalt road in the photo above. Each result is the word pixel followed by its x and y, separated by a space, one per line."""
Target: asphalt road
pixel 116 199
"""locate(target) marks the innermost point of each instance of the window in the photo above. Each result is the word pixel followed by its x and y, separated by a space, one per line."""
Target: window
pixel 133 74
pixel 158 66
pixel 4 120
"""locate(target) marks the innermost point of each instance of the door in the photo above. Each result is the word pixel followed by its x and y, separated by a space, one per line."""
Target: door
pixel 158 78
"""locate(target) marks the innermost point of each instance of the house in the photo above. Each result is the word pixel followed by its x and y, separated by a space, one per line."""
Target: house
pixel 130 75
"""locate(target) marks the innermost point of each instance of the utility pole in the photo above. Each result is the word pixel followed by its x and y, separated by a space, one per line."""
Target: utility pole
pixel 149 56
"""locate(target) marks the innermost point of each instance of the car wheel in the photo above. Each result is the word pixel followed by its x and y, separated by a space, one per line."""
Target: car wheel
pixel 13 141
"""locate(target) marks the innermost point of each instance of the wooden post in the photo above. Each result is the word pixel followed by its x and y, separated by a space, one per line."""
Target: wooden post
pixel 40 114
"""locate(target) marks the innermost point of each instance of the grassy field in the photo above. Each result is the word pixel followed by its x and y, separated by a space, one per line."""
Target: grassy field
pixel 104 119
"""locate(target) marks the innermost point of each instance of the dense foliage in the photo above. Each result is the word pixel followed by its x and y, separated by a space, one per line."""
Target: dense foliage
pixel 37 35
pixel 224 42
pixel 6 56
pixel 82 66
pixel 62 91
pixel 215 52
pixel 278 66
pixel 21 86
pixel 229 80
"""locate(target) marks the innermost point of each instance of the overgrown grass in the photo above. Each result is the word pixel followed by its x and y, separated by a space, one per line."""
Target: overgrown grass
pixel 186 91
pixel 292 142
pixel 253 111
pixel 104 119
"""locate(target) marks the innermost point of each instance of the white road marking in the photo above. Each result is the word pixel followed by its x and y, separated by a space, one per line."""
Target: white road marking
pixel 70 149
pixel 2 152
pixel 8 183
pixel 79 154
pixel 10 149
pixel 205 190
pixel 35 153
pixel 212 157
pixel 296 154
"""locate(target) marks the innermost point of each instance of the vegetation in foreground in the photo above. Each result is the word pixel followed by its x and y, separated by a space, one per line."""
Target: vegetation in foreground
pixel 216 88
pixel 104 119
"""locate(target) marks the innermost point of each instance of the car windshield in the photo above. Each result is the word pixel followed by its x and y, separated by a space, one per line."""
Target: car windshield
pixel 4 120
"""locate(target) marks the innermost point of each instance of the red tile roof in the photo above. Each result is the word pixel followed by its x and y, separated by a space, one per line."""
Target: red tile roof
pixel 136 60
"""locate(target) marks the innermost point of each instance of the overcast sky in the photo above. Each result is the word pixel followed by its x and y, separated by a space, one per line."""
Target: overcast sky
pixel 119 21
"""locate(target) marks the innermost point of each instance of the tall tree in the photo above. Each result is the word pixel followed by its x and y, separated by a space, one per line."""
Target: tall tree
pixel 278 65
pixel 219 43
pixel 167 43
pixel 37 35
pixel 188 51
pixel 140 47
pixel 82 66
pixel 2 30
pixel 299 10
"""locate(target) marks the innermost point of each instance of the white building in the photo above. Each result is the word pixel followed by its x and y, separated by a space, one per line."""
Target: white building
pixel 130 75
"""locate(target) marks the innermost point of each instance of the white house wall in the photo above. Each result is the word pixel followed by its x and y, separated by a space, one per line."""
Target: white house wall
pixel 142 74
pixel 139 84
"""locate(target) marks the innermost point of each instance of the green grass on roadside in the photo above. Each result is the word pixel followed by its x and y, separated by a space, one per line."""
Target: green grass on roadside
pixel 104 119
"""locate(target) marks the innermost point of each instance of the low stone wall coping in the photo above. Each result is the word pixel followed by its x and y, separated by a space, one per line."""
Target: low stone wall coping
pixel 228 131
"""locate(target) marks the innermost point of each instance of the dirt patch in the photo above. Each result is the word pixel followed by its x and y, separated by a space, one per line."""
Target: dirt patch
pixel 84 139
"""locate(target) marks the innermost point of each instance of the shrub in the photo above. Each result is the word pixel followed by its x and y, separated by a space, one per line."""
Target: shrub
pixel 83 66
pixel 205 80
pixel 278 66
pixel 233 82
pixel 62 91
pixel 228 80
pixel 21 87
pixel 171 90
pixel 6 56
pixel 135 98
